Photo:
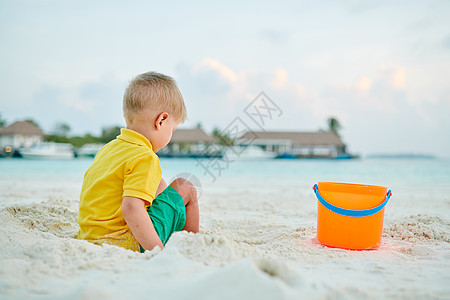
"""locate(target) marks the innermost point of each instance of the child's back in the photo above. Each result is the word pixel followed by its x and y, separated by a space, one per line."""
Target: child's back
pixel 116 172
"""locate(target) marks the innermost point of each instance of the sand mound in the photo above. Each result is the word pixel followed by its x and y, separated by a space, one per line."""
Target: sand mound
pixel 419 228
pixel 58 217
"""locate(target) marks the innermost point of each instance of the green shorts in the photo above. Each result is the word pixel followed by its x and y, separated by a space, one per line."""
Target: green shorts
pixel 168 214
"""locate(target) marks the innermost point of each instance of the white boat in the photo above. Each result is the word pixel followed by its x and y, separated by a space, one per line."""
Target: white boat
pixel 248 152
pixel 48 151
pixel 89 150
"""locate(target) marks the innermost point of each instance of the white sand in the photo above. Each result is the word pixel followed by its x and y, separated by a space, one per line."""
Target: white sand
pixel 253 244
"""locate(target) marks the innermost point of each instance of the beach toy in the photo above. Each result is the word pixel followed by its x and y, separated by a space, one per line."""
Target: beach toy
pixel 350 216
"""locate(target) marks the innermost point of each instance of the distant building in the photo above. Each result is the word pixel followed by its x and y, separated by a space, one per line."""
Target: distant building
pixel 296 144
pixel 187 143
pixel 20 134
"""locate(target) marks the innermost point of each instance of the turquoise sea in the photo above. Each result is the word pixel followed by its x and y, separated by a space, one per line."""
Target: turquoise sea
pixel 415 173
pixel 418 177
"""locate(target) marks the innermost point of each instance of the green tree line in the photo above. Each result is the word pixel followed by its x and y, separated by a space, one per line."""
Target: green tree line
pixel 62 130
pixel 61 134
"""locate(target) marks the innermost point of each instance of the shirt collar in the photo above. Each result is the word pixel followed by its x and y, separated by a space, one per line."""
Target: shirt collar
pixel 134 137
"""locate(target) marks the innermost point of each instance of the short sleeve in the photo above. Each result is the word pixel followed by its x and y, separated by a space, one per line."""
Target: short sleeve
pixel 142 177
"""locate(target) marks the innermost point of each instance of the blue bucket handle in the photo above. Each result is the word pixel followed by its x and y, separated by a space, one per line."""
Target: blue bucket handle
pixel 350 212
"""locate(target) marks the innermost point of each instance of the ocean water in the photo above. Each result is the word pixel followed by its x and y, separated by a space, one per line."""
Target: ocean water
pixel 426 173
pixel 419 177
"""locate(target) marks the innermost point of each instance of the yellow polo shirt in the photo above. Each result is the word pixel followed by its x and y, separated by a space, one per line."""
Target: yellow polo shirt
pixel 126 166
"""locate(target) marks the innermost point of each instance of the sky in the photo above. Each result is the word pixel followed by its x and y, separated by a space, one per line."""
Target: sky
pixel 382 68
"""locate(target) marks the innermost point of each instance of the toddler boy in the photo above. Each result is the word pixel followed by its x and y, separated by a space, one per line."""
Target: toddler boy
pixel 124 201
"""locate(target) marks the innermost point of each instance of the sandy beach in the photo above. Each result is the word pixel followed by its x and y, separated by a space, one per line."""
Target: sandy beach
pixel 256 241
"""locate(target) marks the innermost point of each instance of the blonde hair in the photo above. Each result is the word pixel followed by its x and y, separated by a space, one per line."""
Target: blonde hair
pixel 156 91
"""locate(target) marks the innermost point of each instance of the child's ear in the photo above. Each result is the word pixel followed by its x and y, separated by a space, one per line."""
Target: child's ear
pixel 161 119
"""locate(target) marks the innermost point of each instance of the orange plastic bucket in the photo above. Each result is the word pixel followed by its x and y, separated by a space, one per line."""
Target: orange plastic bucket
pixel 350 216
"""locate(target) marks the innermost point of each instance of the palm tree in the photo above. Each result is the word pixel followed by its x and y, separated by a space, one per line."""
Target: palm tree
pixel 222 139
pixel 334 125
pixel 62 129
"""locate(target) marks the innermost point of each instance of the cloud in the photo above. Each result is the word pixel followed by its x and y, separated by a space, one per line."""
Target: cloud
pixel 364 84
pixel 398 78
pixel 377 93
pixel 216 65
pixel 208 79
pixel 280 78
pixel 301 91
pixel 216 94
